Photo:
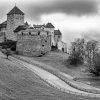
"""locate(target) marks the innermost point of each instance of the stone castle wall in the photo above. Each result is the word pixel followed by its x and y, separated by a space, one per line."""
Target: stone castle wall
pixel 57 38
pixel 13 21
pixel 33 45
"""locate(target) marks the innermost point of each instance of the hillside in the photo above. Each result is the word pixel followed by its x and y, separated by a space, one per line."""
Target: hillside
pixel 57 61
pixel 19 83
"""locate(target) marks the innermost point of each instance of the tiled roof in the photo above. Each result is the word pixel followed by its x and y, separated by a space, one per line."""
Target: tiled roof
pixel 49 25
pixel 57 32
pixel 3 25
pixel 15 10
pixel 19 28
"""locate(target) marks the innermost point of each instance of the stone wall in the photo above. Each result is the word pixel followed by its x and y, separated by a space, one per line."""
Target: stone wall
pixel 57 38
pixel 13 21
pixel 62 46
pixel 34 45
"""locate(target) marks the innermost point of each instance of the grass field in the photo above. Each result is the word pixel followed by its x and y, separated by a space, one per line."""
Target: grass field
pixel 58 61
pixel 19 83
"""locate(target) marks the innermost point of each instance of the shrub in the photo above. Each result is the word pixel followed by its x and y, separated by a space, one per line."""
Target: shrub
pixel 75 58
pixel 9 44
pixel 76 52
pixel 94 65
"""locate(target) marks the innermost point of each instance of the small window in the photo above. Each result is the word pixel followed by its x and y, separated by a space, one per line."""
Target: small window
pixel 58 36
pixel 63 49
pixel 47 33
pixel 22 33
pixel 38 32
pixel 29 33
pixel 42 45
pixel 45 40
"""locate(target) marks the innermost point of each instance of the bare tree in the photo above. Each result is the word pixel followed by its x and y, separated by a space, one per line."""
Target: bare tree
pixel 77 52
pixel 93 57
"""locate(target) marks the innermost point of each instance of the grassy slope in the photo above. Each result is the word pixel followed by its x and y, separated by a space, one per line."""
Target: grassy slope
pixel 19 83
pixel 57 60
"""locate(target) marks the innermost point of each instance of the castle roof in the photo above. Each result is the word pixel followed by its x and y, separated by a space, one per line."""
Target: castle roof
pixel 3 25
pixel 38 26
pixel 57 32
pixel 22 27
pixel 15 10
pixel 19 28
pixel 49 25
pixel 26 23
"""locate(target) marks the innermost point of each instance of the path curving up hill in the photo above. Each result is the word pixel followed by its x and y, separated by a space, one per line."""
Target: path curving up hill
pixel 53 80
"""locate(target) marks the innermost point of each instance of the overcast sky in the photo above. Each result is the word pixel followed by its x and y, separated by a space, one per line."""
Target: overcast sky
pixel 75 18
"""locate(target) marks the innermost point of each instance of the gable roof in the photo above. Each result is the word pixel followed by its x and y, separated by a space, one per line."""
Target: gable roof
pixel 15 10
pixel 57 32
pixel 3 25
pixel 49 25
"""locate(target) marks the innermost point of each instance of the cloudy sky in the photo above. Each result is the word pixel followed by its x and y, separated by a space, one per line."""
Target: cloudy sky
pixel 75 18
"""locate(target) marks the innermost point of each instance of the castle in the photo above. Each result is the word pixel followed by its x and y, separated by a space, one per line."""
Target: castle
pixel 38 38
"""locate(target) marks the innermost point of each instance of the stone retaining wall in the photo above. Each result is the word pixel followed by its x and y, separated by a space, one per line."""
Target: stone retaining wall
pixel 33 45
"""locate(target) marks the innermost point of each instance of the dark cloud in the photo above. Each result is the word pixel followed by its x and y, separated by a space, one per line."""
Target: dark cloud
pixel 72 7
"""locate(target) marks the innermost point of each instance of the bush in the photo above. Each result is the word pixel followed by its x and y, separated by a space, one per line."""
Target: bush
pixel 94 65
pixel 75 58
pixel 9 44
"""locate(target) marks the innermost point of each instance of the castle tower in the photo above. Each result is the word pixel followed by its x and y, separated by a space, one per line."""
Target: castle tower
pixel 49 27
pixel 14 18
